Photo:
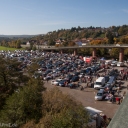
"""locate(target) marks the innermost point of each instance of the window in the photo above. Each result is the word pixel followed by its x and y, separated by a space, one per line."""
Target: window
pixel 99 94
pixel 98 83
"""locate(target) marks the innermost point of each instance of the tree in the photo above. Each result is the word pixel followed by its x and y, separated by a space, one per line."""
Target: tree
pixel 10 78
pixel 32 68
pixel 25 104
pixel 123 30
pixel 72 44
pixel 84 51
pixel 51 42
pixel 70 118
pixel 18 44
pixel 34 48
pixel 61 110
pixel 114 52
pixel 110 37
pixel 65 43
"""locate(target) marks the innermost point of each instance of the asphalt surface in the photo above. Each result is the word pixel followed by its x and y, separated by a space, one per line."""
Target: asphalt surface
pixel 86 97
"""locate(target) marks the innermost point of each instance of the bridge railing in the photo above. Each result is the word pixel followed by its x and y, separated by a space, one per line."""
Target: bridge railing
pixel 103 45
pixel 84 46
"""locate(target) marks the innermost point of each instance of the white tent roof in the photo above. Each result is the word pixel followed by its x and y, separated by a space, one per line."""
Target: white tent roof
pixel 93 110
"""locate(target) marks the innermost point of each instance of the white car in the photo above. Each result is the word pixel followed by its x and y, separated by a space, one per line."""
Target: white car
pixel 108 62
pixel 120 64
pixel 117 44
pixel 114 63
pixel 48 77
pixel 55 82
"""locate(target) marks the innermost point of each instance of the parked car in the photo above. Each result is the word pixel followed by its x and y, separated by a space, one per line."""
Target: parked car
pixel 117 44
pixel 108 87
pixel 47 77
pixel 56 82
pixel 74 79
pixel 100 95
pixel 62 83
pixel 106 79
pixel 69 77
pixel 120 64
pixel 108 62
pixel 74 85
pixel 114 63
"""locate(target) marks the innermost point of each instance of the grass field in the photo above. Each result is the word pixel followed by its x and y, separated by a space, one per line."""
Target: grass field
pixel 7 48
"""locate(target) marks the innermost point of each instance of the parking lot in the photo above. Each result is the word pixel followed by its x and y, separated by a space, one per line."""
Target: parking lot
pixel 72 75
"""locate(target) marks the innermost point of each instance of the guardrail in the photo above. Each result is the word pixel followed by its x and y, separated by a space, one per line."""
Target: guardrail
pixel 78 47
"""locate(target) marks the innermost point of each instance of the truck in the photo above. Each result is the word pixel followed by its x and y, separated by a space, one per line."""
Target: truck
pixel 100 82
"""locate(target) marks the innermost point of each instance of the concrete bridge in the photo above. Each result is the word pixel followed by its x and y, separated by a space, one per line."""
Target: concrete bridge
pixel 109 46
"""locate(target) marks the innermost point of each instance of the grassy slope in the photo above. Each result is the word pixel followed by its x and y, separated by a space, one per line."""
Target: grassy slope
pixel 7 48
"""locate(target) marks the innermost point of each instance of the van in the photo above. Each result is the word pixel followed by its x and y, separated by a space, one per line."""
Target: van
pixel 100 95
pixel 99 83
pixel 112 80
pixel 110 83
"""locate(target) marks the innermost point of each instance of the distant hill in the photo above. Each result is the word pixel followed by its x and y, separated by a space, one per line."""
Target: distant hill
pixel 18 36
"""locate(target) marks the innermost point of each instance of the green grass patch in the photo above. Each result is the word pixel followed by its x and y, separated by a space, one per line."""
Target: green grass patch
pixel 7 48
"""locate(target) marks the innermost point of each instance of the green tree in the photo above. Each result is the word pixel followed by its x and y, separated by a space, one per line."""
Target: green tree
pixel 62 110
pixel 70 118
pixel 10 77
pixel 114 52
pixel 34 48
pixel 25 104
pixel 110 37
pixel 18 44
pixel 123 30
pixel 51 42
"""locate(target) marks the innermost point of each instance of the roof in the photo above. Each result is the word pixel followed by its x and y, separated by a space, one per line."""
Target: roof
pixel 93 110
pixel 99 79
pixel 120 119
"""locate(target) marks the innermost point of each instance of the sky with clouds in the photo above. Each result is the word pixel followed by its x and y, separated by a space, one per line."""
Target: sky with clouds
pixel 41 16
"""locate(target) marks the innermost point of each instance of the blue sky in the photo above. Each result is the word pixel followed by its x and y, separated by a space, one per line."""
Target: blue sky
pixel 41 16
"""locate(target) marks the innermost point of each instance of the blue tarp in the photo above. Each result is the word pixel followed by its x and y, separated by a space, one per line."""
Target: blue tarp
pixel 102 58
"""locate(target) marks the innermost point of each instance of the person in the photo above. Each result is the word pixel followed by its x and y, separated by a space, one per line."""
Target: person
pixel 127 86
pixel 47 80
pixel 87 84
pixel 92 84
pixel 81 88
pixel 124 93
pixel 118 92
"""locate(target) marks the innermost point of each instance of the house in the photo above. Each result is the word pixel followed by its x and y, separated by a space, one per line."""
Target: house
pixel 59 41
pixel 89 39
pixel 28 43
pixel 84 41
